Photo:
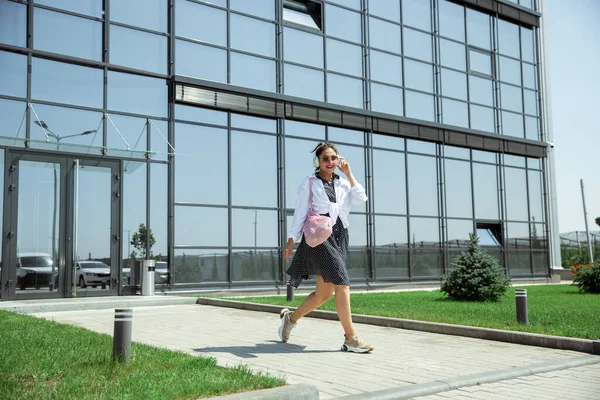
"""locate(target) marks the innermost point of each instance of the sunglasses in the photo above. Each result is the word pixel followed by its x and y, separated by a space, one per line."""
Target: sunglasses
pixel 332 158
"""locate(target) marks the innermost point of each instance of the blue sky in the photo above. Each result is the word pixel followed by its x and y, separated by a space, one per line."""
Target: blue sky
pixel 573 58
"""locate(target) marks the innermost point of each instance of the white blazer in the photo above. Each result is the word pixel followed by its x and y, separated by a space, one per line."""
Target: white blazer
pixel 345 196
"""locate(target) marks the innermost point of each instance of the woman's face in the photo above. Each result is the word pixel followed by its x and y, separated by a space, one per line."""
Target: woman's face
pixel 328 160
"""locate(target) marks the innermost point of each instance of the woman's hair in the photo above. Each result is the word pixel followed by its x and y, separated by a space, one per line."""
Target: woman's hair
pixel 319 149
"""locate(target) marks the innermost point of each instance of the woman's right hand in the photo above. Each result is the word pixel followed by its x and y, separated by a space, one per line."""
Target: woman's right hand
pixel 289 249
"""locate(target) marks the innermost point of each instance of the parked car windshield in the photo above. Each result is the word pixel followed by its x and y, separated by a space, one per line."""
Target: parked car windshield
pixel 93 265
pixel 36 261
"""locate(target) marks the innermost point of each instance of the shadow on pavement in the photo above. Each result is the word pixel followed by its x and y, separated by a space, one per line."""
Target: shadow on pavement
pixel 270 347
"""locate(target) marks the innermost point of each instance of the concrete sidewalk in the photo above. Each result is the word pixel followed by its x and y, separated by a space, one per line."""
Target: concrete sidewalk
pixel 403 361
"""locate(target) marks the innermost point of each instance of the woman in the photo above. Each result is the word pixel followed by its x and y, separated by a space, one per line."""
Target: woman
pixel 332 196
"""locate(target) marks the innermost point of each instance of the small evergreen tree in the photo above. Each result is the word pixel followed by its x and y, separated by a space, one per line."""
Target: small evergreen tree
pixel 475 276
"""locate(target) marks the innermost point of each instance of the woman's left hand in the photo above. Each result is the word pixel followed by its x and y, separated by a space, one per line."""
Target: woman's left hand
pixel 344 166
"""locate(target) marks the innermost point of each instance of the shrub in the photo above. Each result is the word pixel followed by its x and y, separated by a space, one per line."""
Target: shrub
pixel 587 278
pixel 475 276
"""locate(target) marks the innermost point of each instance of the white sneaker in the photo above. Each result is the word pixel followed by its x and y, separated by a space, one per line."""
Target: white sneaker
pixel 356 344
pixel 286 325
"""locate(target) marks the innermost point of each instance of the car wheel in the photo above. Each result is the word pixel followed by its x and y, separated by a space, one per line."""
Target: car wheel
pixel 94 286
pixel 81 282
pixel 21 283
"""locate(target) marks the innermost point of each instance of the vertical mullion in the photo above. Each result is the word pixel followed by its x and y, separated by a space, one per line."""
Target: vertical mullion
pixel 324 25
pixel 408 230
pixel 30 27
pixel 106 59
pixel 170 157
pixel 229 210
pixel 228 41
pixel 282 201
pixel 148 179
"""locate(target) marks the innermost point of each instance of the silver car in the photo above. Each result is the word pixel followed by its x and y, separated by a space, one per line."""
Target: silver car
pixel 93 273
pixel 36 270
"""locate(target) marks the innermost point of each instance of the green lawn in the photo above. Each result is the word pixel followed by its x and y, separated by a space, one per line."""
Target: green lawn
pixel 552 309
pixel 41 359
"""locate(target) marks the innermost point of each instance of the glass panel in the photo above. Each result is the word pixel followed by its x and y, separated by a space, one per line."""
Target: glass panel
pixel 201 149
pixel 253 123
pixel 453 54
pixel 54 32
pixel 200 22
pixel 358 232
pixel 510 70
pixel 528 44
pixel 391 262
pixel 201 226
pixel 94 189
pixel 345 91
pixel 532 128
pixel 303 129
pixel 485 188
pixel 538 236
pixel 417 13
pixel 391 232
pixel 12 115
pixel 13 80
pixel 458 189
pixel 386 9
pixel 340 135
pixel 13 23
pixel 484 156
pixel 519 263
pixel 529 76
pixel 384 35
pixel 253 228
pixel 457 238
pixel 148 14
pixel 511 98
pixel 356 157
pixel 457 152
pixel 159 175
pixel 137 94
pixel 530 102
pixel 482 118
pixel 419 106
pixel 534 163
pixel 512 124
pixel 303 47
pixel 389 183
pixel 87 7
pixel 304 82
pixel 481 91
pixel 452 20
pixel 516 161
pixel 417 45
pixel 386 68
pixel 67 83
pixel 197 266
pixel 508 39
pixel 252 72
pixel 424 241
pixel 478 29
pixel 418 146
pixel 298 165
pixel 480 62
pixel 418 76
pixel 454 84
pixel 39 216
pixel 518 236
pixel 386 99
pixel 308 15
pixel 344 57
pixel 536 199
pixel 388 142
pixel 516 194
pixel 347 3
pixel 137 49
pixel 455 113
pixel 252 35
pixel 202 115
pixel 190 60
pixel 422 178
pixel 253 157
pixel 132 129
pixel 260 8
pixel 540 263
pixel 343 24
pixel 252 265
pixel 1 199
pixel 358 264
pixel 134 201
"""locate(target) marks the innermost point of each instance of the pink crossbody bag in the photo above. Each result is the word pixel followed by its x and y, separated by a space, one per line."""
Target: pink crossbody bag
pixel 317 228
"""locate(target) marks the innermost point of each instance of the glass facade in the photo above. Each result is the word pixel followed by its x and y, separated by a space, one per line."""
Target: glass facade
pixel 217 188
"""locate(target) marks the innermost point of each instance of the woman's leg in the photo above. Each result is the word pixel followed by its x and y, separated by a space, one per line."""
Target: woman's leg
pixel 342 307
pixel 321 294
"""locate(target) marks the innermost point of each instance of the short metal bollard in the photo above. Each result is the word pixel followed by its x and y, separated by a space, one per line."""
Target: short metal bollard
pixel 122 335
pixel 290 292
pixel 521 298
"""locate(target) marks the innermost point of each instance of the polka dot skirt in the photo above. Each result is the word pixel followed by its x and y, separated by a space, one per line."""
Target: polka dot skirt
pixel 327 259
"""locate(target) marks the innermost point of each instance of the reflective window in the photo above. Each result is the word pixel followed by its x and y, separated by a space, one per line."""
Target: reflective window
pixel 386 99
pixel 540 260
pixel 480 62
pixel 457 236
pixel 386 68
pixel 253 228
pixel 528 44
pixel 347 3
pixel 458 189
pixel 67 83
pixel 208 265
pixel 386 9
pixel 260 8
pixel 159 135
pixel 518 237
pixel 536 199
pixel 159 174
pixel 388 142
pixel 478 29
pixel 355 155
pixel 341 135
pixel 516 194
pixel 417 13
pixel 424 233
pixel 134 188
pixel 511 98
pixel 345 91
pixel 391 231
pixel 419 146
pixel 389 183
pixel 529 76
pixel 358 237
pixel 418 76
pixel 54 32
pixel 308 14
pixel 12 115
pixel 516 161
pixel 452 20
pixel 137 94
pixel 149 14
pixel 252 265
pixel 13 23
pixel 13 80
pixel 303 47
pixel 454 84
pixel 485 189
pixel 343 24
pixel 252 72
pixel 482 118
pixel 303 129
pixel 484 156
pixel 253 123
pixel 344 57
pixel 510 70
pixel 508 39
pixel 422 178
pixel 529 97
pixel 200 22
pixel 127 132
pixel 253 157
pixel 384 35
pixel 457 152
pixel 202 115
pixel 189 59
pixel 420 106
pixel 298 165
pixel 87 7
pixel 304 82
pixel 211 232
pixel 534 163
pixel 137 49
pixel 481 91
pixel 252 35
pixel 512 124
pixel 452 54
pixel 532 130
pixel 417 45
pixel 455 113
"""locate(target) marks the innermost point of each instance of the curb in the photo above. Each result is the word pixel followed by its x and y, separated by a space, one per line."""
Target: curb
pixel 300 391
pixel 444 385
pixel 528 339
